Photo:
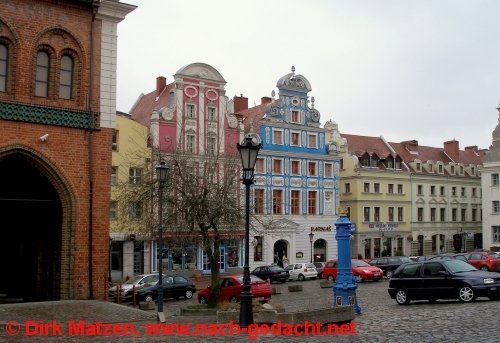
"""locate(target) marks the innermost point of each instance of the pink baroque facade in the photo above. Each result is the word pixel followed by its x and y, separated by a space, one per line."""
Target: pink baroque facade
pixel 192 113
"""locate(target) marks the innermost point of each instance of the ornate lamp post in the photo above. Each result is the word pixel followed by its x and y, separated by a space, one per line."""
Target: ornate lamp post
pixel 311 237
pixel 248 151
pixel 162 174
pixel 344 290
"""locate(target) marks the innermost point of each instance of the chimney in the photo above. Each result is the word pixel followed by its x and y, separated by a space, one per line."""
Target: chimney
pixel 411 146
pixel 265 100
pixel 240 103
pixel 161 83
pixel 451 149
pixel 471 148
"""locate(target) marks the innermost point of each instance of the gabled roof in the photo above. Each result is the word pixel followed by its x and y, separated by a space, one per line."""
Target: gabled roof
pixel 409 153
pixel 253 116
pixel 146 103
pixel 359 145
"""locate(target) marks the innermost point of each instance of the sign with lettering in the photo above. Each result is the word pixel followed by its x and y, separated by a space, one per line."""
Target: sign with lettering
pixel 384 226
pixel 299 254
pixel 321 228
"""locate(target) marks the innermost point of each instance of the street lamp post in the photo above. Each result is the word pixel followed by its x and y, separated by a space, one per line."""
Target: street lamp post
pixel 311 237
pixel 162 173
pixel 248 152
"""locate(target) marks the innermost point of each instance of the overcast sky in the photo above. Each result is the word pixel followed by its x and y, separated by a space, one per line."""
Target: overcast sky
pixel 416 69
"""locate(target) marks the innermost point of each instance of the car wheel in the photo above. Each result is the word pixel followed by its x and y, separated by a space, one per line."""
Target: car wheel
pixel 301 277
pixel 233 299
pixel 388 274
pixel 329 277
pixel 188 294
pixel 402 297
pixel 203 300
pixel 465 294
pixel 484 268
pixel 148 297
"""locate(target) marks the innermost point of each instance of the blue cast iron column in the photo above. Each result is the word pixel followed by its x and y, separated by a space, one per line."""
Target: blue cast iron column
pixel 344 289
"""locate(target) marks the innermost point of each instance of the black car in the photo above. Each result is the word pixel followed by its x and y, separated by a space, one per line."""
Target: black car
pixel 389 263
pixel 271 273
pixel 445 256
pixel 442 279
pixel 174 286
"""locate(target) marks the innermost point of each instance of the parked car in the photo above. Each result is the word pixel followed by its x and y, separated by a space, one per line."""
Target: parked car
pixel 360 268
pixel 271 273
pixel 319 268
pixel 484 261
pixel 138 280
pixel 231 286
pixel 442 279
pixel 461 257
pixel 174 286
pixel 302 271
pixel 389 263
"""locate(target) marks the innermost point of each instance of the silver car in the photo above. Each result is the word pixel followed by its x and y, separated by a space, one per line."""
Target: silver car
pixel 137 280
pixel 302 271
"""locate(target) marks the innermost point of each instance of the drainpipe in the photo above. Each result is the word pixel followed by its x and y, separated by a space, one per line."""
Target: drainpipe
pixel 90 136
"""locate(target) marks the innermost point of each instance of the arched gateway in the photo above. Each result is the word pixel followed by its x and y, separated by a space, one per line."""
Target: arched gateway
pixel 35 256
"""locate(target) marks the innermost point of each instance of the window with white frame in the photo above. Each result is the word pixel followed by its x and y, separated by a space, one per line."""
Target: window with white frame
pixel 211 114
pixel 190 111
pixel 390 188
pixel 135 210
pixel 277 136
pixel 258 201
pixel 400 189
pixel 496 206
pixel 390 214
pixel 376 214
pixel 495 180
pixel 295 117
pixel 112 210
pixel 376 187
pixel 295 201
pixel 190 143
pixel 295 138
pixel 366 214
pixel 495 231
pixel 277 166
pixel 114 177
pixel 277 201
pixel 366 187
pixel 312 169
pixel 311 202
pixel 295 167
pixel 260 165
pixel 312 140
pixel 134 175
pixel 400 214
pixel 328 169
pixel 211 145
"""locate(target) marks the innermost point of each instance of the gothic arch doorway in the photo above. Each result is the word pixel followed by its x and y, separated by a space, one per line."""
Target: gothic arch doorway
pixel 280 250
pixel 31 230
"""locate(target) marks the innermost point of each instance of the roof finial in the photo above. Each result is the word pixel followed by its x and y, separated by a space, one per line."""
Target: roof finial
pixel 273 93
pixel 293 69
pixel 312 101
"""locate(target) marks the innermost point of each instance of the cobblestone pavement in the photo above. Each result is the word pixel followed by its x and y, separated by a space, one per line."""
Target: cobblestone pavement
pixel 382 320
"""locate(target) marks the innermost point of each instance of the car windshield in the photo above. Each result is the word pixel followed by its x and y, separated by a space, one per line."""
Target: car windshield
pixel 457 266
pixel 359 263
pixel 276 269
pixel 134 280
pixel 253 279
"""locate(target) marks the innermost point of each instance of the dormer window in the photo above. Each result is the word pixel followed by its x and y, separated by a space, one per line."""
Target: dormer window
pixel 452 170
pixel 418 166
pixel 440 169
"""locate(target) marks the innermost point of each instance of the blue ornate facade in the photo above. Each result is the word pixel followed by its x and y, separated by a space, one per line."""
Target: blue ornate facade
pixel 296 177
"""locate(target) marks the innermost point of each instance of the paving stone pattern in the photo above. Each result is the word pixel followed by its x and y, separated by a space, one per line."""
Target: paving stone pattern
pixel 382 320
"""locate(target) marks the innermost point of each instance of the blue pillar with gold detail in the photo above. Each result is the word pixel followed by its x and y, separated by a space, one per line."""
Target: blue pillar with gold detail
pixel 344 289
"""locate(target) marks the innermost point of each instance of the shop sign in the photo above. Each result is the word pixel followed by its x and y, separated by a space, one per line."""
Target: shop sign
pixel 299 254
pixel 321 228
pixel 384 226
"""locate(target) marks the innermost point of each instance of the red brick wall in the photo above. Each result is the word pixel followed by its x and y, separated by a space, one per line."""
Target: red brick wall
pixel 63 25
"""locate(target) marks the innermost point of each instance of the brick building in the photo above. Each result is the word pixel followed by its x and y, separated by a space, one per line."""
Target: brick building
pixel 57 108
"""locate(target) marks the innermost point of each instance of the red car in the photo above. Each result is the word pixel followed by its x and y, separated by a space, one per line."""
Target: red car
pixel 484 261
pixel 231 286
pixel 360 269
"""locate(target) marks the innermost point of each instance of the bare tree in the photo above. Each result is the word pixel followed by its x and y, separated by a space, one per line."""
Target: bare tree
pixel 203 198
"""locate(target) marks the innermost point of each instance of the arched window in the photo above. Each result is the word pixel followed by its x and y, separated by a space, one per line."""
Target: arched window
pixel 4 54
pixel 42 74
pixel 66 77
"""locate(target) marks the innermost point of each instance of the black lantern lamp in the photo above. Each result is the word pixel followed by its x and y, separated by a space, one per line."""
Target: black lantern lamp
pixel 162 174
pixel 249 150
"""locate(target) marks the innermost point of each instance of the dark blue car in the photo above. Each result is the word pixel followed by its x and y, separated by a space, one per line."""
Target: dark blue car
pixel 271 273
